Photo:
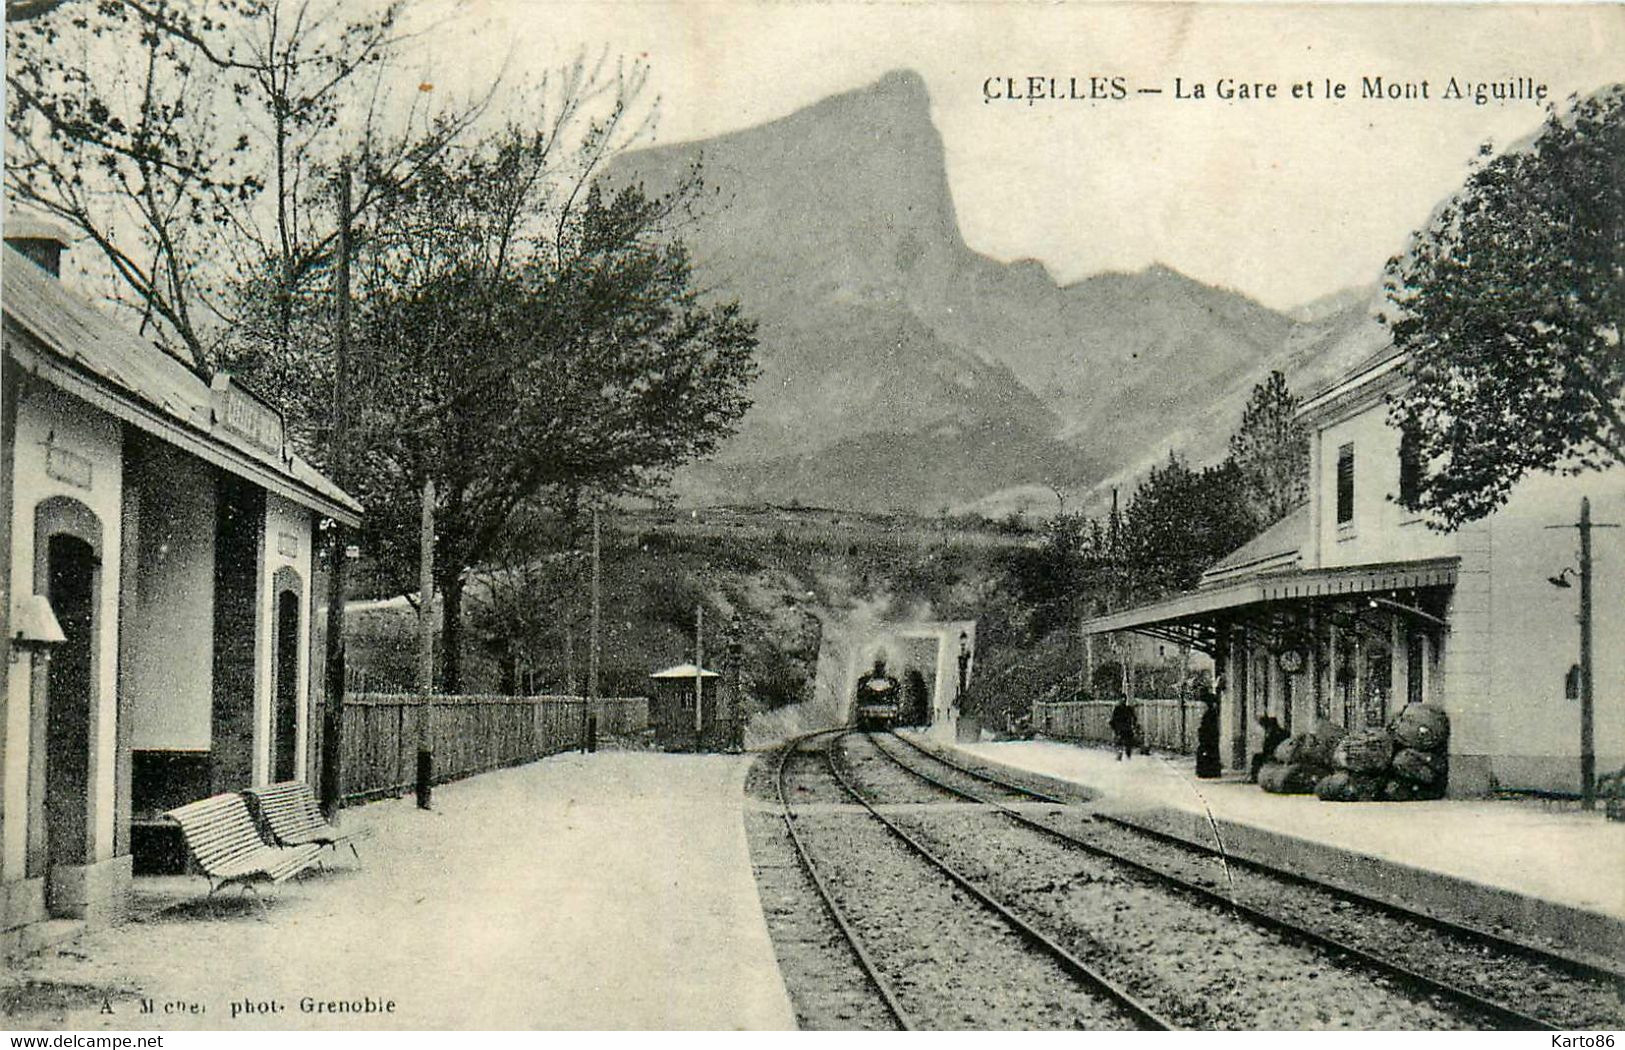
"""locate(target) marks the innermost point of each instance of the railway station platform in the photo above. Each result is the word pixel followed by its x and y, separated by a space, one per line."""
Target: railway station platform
pixel 1510 865
pixel 582 892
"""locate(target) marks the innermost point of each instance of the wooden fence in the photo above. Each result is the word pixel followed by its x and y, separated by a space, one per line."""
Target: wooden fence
pixel 1167 725
pixel 468 734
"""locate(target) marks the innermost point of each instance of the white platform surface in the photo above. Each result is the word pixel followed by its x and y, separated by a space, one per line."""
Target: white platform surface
pixel 1566 857
pixel 607 891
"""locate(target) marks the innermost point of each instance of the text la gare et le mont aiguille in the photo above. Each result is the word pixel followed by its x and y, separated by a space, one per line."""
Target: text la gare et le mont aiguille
pixel 1033 90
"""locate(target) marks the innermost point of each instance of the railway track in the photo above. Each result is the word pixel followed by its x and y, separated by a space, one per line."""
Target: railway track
pixel 1156 858
pixel 1106 1004
pixel 866 963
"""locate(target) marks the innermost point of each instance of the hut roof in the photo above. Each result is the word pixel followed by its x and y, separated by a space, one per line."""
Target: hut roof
pixel 684 671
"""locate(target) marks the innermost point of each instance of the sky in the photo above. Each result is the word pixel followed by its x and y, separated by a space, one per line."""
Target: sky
pixel 1283 199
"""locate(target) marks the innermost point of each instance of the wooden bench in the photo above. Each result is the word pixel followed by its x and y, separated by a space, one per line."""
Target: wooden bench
pixel 289 814
pixel 226 844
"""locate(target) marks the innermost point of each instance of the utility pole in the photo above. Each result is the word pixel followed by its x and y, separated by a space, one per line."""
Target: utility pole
pixel 425 771
pixel 1114 550
pixel 569 655
pixel 699 673
pixel 338 548
pixel 597 610
pixel 1588 747
pixel 736 685
pixel 1184 688
pixel 589 709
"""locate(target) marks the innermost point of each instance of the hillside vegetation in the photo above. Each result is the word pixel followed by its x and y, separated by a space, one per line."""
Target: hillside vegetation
pixel 781 572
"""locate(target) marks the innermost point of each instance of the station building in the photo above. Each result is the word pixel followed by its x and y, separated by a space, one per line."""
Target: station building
pixel 163 595
pixel 1351 607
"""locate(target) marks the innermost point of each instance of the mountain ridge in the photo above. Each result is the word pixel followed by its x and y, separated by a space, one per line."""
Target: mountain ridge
pixel 835 226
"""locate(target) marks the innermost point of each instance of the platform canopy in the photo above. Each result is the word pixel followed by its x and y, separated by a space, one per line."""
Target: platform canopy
pixel 1194 617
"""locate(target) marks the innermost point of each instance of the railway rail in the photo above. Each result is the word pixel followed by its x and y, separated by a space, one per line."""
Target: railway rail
pixel 1544 967
pixel 1109 997
pixel 866 963
pixel 1489 939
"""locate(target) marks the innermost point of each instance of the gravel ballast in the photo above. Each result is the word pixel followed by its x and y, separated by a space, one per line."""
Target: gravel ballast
pixel 951 962
pixel 1540 986
pixel 1202 966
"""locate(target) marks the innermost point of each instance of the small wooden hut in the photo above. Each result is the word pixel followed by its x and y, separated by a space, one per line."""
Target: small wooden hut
pixel 672 709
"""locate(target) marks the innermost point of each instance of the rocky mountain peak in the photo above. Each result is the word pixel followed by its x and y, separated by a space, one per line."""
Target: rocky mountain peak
pixel 901 87
pixel 895 359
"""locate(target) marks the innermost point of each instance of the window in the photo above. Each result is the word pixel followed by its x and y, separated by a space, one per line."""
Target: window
pixel 1410 469
pixel 1379 677
pixel 1345 484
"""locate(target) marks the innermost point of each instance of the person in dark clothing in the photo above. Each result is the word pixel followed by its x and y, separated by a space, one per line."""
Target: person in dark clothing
pixel 1125 728
pixel 1274 734
pixel 1208 765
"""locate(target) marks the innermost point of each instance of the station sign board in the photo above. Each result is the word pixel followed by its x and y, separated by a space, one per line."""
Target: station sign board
pixel 245 414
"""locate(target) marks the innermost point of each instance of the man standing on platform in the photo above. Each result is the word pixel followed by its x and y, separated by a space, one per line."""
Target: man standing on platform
pixel 1125 728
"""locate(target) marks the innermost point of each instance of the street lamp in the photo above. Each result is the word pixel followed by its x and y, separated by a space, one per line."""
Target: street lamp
pixel 1588 755
pixel 35 627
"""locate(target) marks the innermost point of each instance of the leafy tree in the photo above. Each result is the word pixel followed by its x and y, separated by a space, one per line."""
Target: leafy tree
pixel 1157 528
pixel 525 593
pixel 526 335
pixel 1224 519
pixel 1180 522
pixel 155 160
pixel 1271 452
pixel 1052 575
pixel 1511 306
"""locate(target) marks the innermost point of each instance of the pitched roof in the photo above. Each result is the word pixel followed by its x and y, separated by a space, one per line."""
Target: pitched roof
pixel 1276 549
pixel 93 354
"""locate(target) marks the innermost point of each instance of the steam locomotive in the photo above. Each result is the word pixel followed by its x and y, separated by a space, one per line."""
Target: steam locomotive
pixel 878 702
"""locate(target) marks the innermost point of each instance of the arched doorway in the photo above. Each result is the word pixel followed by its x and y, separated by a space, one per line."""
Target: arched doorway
pixel 285 677
pixel 71 575
pixel 64 696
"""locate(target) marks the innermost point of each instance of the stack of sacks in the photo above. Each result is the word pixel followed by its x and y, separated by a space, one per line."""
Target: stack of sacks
pixel 1286 778
pixel 1301 761
pixel 1422 762
pixel 1406 761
